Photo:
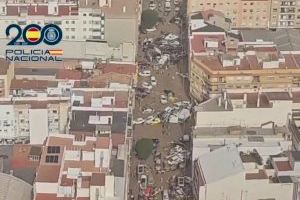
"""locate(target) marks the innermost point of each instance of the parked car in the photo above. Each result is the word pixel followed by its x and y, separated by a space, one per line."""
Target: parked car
pixel 163 99
pixel 145 73
pixel 147 85
pixel 147 110
pixel 138 121
pixel 149 119
pixel 152 120
pixel 153 81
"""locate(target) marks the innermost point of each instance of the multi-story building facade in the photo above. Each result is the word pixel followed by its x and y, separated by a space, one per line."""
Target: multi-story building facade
pixel 33 120
pixel 285 14
pixel 90 26
pixel 258 68
pixel 79 20
pixel 220 60
pixel 253 13
pixel 242 13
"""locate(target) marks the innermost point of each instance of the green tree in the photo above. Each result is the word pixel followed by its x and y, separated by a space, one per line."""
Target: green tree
pixel 144 148
pixel 149 19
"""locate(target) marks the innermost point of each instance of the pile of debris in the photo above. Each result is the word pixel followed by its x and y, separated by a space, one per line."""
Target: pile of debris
pixel 179 187
pixel 176 156
pixel 178 113
pixel 163 50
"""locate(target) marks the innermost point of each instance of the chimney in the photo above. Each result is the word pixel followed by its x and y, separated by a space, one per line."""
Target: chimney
pixel 220 101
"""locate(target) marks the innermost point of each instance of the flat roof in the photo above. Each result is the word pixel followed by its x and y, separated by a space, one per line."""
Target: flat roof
pixel 285 39
pixel 214 171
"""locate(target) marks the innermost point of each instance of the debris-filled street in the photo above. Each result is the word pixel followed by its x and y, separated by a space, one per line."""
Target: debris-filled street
pixel 163 110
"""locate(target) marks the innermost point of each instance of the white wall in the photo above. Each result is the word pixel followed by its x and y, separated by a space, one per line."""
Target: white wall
pixel 237 188
pixel 43 188
pixel 256 189
pixel 228 188
pixel 105 154
pixel 7 122
pixel 246 117
pixel 38 122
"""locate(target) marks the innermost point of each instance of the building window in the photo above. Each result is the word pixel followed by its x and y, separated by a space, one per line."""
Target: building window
pixel 73 22
pixel 67 22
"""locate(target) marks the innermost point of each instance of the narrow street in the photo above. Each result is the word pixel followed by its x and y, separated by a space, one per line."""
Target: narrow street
pixel 171 78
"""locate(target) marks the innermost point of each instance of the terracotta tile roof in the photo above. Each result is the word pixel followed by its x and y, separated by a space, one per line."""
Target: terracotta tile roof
pixel 40 196
pixel 197 42
pixel 46 197
pixel 117 138
pixel 29 84
pixel 103 142
pixel 98 179
pixel 261 174
pixel 119 68
pixel 48 173
pixel 69 74
pixel 20 157
pixel 40 10
pixel 85 165
pixel 283 166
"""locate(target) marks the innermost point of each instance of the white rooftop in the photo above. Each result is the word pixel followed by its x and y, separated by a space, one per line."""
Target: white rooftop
pixel 221 163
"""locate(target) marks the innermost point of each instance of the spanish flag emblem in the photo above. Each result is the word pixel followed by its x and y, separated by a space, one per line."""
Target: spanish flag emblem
pixel 56 52
pixel 33 34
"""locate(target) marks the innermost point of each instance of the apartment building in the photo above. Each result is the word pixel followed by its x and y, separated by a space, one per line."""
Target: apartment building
pixel 248 61
pixel 80 20
pixel 227 174
pixel 256 68
pixel 90 26
pixel 253 13
pixel 32 120
pixel 285 14
pixel 242 13
pixel 81 168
